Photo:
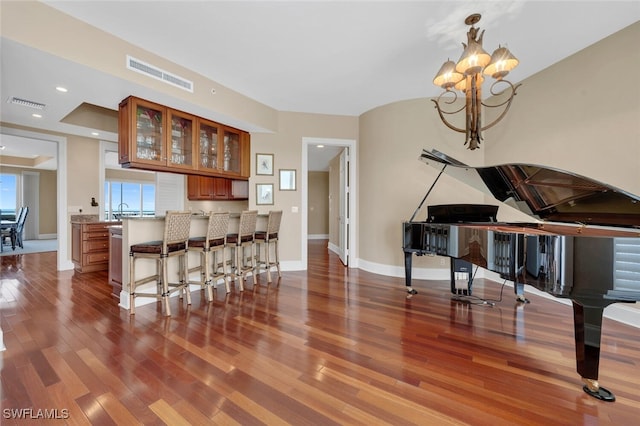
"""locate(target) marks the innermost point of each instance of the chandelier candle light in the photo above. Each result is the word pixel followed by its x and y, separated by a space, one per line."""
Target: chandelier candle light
pixel 466 76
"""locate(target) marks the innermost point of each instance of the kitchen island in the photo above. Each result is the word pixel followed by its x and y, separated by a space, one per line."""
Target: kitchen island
pixel 137 230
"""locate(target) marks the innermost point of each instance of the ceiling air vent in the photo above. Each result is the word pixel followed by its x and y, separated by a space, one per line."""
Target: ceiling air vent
pixel 159 74
pixel 24 102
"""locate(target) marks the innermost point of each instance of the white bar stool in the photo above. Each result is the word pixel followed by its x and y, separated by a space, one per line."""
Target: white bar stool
pixel 212 247
pixel 174 244
pixel 241 264
pixel 269 238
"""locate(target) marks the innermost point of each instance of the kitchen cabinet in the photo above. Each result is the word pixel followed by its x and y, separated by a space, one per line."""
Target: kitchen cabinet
pixel 214 188
pixel 156 137
pixel 222 150
pixel 90 246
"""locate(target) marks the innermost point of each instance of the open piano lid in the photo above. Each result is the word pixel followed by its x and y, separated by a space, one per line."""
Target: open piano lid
pixel 546 193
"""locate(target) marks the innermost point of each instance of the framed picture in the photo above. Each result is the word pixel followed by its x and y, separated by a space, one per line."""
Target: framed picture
pixel 264 193
pixel 264 164
pixel 287 180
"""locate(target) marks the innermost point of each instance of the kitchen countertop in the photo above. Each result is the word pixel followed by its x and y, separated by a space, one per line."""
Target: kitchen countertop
pixel 83 218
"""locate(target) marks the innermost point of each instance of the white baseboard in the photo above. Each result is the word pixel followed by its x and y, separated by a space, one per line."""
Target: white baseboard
pixel 318 237
pixel 334 248
pixel 47 236
pixel 66 265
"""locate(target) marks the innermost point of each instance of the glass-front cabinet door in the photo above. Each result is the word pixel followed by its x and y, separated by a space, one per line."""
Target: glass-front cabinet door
pixel 231 151
pixel 149 124
pixel 181 143
pixel 208 149
pixel 156 137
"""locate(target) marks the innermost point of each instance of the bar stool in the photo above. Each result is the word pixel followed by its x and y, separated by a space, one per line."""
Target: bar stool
pixel 174 244
pixel 241 264
pixel 211 246
pixel 269 238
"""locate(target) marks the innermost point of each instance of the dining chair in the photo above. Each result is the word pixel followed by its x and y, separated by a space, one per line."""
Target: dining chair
pixel 175 243
pixel 19 230
pixel 267 239
pixel 212 250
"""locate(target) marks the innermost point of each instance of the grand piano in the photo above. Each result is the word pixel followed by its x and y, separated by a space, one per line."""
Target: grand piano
pixel 573 247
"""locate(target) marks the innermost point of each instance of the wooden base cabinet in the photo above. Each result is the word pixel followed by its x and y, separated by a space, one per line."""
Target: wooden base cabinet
pixel 90 246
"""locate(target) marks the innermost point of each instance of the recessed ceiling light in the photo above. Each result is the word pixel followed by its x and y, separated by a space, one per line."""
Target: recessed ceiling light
pixel 61 89
pixel 319 146
pixel 36 115
pixel 95 133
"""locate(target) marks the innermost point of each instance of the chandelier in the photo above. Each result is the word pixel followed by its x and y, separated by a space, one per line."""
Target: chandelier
pixel 467 76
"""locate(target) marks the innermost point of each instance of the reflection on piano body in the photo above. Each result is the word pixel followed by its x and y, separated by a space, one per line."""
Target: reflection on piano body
pixel 570 251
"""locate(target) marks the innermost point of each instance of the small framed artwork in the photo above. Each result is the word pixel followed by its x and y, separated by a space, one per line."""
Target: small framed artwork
pixel 287 180
pixel 264 164
pixel 264 193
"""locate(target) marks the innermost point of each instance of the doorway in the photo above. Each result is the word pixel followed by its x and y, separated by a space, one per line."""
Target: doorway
pixel 348 222
pixel 63 227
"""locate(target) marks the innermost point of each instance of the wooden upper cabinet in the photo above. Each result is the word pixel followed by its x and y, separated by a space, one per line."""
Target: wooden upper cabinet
pixel 245 156
pixel 181 143
pixel 216 188
pixel 209 146
pixel 156 137
pixel 142 126
pixel 231 152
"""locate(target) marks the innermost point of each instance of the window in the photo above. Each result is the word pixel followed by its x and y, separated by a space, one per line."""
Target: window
pixel 627 265
pixel 129 199
pixel 8 194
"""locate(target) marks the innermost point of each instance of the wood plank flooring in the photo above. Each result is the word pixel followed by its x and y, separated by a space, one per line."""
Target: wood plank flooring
pixel 325 346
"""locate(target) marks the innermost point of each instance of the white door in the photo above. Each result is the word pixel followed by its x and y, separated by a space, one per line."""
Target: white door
pixel 343 207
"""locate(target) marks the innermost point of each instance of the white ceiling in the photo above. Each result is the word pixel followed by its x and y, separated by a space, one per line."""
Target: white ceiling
pixel 329 57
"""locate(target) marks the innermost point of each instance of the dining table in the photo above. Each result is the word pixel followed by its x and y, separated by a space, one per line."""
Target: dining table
pixel 11 226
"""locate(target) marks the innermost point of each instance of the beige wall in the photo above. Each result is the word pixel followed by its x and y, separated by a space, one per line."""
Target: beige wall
pixel 48 215
pixel 570 116
pixel 128 174
pixel 83 173
pixel 576 116
pixel 318 217
pixel 286 145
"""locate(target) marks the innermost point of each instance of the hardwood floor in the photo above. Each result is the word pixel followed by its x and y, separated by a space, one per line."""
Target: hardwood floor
pixel 324 346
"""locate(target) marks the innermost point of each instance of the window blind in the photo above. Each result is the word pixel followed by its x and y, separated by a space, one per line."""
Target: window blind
pixel 169 192
pixel 627 264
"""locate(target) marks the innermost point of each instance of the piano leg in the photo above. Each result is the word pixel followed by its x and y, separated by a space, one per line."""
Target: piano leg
pixel 587 322
pixel 407 272
pixel 518 289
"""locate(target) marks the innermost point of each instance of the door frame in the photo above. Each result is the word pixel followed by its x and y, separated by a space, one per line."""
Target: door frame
pixel 31 198
pixel 352 253
pixel 63 225
pixel 343 207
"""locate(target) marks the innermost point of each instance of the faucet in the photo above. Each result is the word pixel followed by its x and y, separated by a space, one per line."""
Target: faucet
pixel 120 207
